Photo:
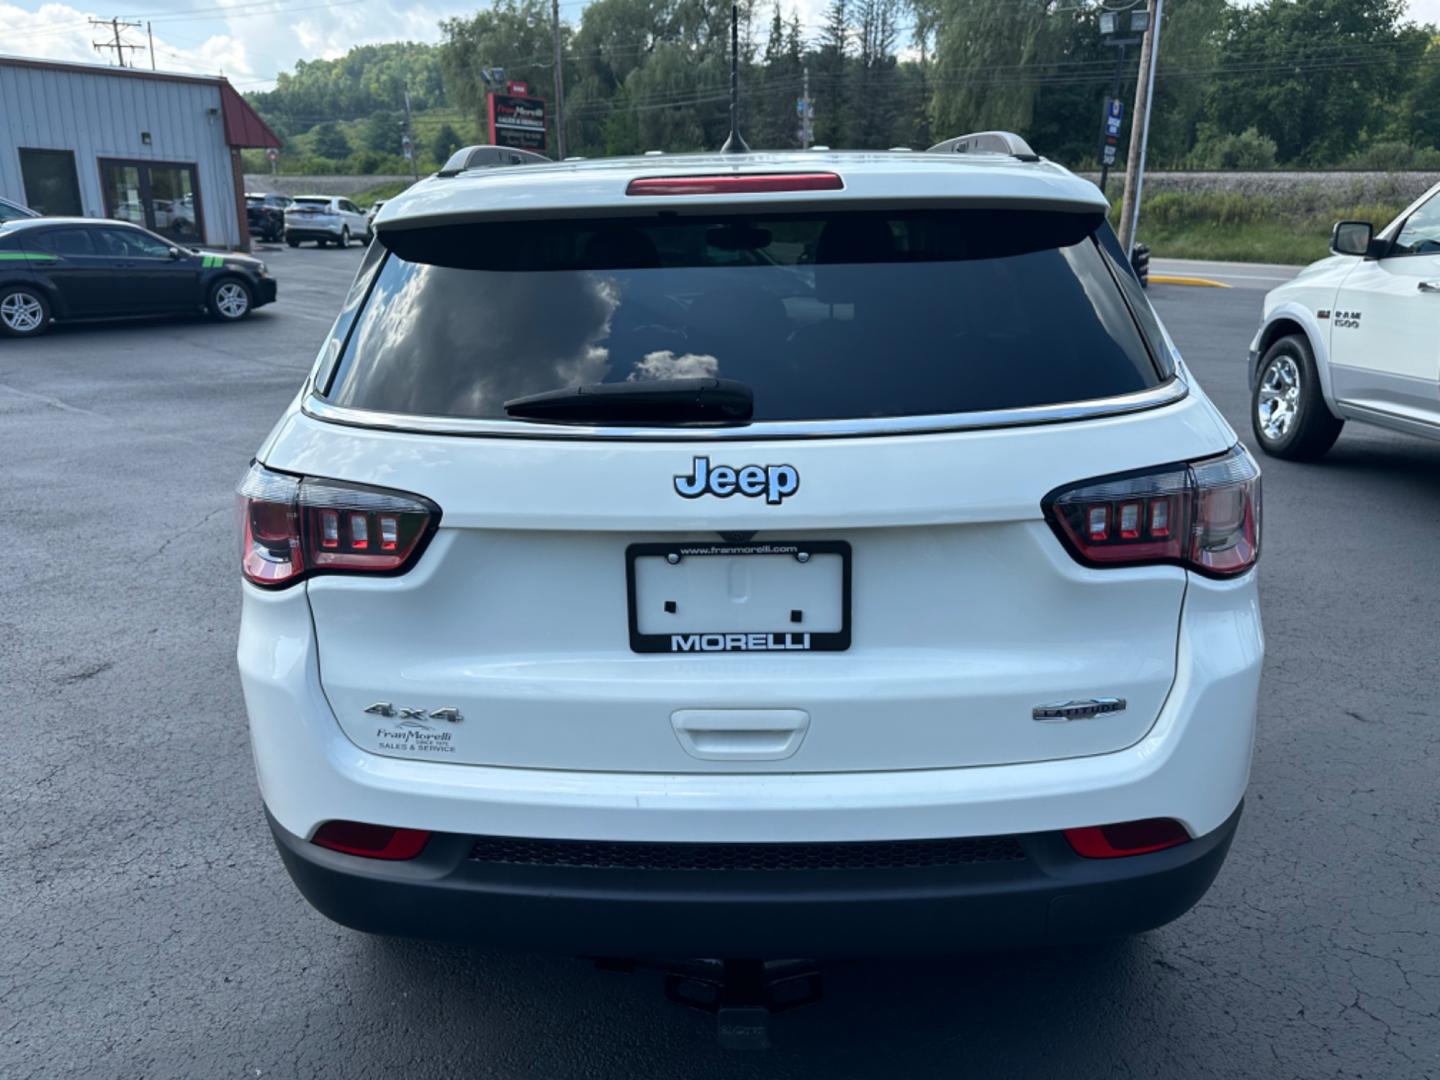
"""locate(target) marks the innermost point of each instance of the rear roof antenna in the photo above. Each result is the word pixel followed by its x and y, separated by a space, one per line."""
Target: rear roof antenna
pixel 735 144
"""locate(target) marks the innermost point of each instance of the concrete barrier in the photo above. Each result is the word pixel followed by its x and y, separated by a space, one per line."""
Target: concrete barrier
pixel 319 185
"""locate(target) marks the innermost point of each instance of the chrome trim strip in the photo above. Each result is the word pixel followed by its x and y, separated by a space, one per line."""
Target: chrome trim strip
pixel 1168 392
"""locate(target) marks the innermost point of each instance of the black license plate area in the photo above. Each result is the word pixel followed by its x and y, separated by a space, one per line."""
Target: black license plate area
pixel 765 596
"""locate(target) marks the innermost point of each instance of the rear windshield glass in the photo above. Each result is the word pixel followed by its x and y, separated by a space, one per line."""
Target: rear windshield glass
pixel 824 316
pixel 312 202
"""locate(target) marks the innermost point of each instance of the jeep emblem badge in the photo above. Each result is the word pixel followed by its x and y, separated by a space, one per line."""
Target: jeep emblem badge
pixel 775 482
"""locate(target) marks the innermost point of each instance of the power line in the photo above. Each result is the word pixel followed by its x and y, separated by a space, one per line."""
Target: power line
pixel 237 11
pixel 118 44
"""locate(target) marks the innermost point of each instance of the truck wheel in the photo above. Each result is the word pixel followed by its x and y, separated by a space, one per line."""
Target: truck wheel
pixel 1287 409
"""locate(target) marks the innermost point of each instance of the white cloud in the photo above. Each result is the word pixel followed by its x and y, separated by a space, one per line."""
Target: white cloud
pixel 62 32
pixel 250 44
pixel 1425 11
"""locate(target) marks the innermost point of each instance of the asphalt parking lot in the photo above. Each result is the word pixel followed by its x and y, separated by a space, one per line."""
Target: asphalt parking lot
pixel 151 932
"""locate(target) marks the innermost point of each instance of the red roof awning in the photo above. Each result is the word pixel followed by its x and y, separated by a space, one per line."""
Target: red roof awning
pixel 243 126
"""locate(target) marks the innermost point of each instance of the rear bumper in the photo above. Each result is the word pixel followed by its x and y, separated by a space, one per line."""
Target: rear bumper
pixel 1040 893
pixel 322 233
pixel 1193 765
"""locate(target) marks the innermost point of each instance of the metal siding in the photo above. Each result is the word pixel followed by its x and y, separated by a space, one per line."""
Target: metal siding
pixel 9 143
pixel 95 115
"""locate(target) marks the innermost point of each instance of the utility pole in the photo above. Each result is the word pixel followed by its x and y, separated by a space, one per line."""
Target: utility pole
pixel 807 113
pixel 559 82
pixel 118 45
pixel 1140 129
pixel 409 140
pixel 1114 95
pixel 151 35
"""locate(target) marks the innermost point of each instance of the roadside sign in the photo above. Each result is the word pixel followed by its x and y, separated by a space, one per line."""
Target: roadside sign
pixel 517 122
pixel 1114 116
pixel 272 154
pixel 407 147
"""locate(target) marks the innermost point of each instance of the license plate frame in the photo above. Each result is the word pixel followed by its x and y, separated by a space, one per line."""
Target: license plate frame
pixel 778 640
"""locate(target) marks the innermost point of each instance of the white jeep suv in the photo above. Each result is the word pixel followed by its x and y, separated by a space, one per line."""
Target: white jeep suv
pixel 1355 336
pixel 751 555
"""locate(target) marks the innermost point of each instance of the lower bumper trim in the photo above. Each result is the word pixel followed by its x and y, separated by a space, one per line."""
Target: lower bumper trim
pixel 1051 895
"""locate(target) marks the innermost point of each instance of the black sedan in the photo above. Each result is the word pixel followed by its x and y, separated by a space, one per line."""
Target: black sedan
pixel 81 268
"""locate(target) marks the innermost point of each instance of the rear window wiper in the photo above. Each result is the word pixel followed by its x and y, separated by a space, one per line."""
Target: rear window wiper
pixel 656 401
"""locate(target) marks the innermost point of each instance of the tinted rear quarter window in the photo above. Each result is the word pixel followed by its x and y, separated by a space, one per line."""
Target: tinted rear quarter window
pixel 825 316
pixel 65 241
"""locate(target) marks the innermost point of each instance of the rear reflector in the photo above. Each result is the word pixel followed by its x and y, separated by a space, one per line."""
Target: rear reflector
pixel 293 526
pixel 371 841
pixel 1127 838
pixel 1202 515
pixel 734 185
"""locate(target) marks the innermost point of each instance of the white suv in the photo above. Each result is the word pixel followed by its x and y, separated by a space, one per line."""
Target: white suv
pixel 326 219
pixel 751 555
pixel 1355 336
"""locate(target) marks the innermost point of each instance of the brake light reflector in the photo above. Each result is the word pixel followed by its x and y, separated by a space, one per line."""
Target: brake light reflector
pixel 732 184
pixel 371 841
pixel 292 526
pixel 1203 515
pixel 1127 838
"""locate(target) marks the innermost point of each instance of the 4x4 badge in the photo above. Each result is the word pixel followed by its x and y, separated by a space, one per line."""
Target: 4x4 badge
pixel 384 708
pixel 775 482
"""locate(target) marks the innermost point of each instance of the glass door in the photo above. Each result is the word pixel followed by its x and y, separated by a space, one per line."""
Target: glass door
pixel 174 201
pixel 163 197
pixel 123 200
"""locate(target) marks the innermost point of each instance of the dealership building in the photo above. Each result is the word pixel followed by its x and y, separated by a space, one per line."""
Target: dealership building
pixel 158 149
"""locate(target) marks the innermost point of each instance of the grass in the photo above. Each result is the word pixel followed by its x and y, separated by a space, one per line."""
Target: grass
pixel 366 199
pixel 1289 228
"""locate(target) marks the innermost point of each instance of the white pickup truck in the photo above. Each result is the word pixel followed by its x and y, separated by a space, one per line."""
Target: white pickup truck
pixel 1355 336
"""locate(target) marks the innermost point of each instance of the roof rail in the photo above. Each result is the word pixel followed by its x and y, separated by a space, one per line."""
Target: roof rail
pixel 987 142
pixel 486 156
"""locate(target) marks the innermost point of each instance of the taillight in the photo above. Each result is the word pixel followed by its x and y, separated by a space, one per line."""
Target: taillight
pixel 1203 515
pixel 1127 838
pixel 293 526
pixel 371 841
pixel 745 183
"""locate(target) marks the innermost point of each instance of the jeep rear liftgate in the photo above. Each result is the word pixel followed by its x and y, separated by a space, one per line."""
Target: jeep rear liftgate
pixel 623 602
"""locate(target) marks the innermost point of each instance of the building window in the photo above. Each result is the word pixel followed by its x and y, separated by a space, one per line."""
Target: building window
pixel 163 197
pixel 51 184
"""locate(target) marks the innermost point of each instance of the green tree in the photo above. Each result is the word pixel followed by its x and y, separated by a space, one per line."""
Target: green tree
pixel 876 74
pixel 1247 150
pixel 989 59
pixel 330 142
pixel 1419 120
pixel 829 88
pixel 444 143
pixel 367 78
pixel 1320 77
pixel 381 132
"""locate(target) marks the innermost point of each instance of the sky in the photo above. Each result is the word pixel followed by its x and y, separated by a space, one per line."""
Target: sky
pixel 250 41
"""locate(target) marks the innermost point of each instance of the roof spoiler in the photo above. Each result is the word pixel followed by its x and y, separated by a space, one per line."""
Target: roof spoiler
pixel 987 142
pixel 486 155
